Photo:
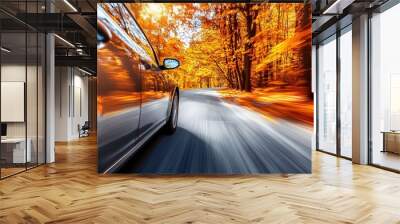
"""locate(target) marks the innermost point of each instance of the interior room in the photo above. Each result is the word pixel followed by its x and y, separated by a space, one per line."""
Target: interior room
pixel 25 68
pixel 71 103
pixel 49 107
pixel 75 73
pixel 22 98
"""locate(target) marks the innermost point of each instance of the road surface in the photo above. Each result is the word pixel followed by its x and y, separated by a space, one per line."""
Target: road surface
pixel 218 137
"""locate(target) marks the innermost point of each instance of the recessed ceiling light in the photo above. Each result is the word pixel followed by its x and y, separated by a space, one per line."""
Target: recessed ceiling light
pixel 70 5
pixel 84 71
pixel 65 41
pixel 337 7
pixel 5 50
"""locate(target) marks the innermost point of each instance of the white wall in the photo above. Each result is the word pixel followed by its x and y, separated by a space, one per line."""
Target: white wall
pixel 33 126
pixel 61 103
pixel 81 94
pixel 16 73
pixel 71 94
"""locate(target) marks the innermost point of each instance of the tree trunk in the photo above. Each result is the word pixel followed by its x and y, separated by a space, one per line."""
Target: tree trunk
pixel 247 73
pixel 235 35
pixel 303 23
pixel 250 33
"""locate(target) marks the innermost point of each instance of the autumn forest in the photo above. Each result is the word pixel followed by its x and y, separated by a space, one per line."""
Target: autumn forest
pixel 241 46
pixel 255 53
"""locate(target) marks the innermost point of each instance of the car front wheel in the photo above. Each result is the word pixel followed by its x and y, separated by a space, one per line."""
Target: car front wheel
pixel 172 122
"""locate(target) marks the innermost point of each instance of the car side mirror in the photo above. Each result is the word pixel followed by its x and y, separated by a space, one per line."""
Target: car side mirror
pixel 170 63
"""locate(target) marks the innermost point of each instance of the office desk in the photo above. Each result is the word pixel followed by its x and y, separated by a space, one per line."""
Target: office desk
pixel 391 141
pixel 13 150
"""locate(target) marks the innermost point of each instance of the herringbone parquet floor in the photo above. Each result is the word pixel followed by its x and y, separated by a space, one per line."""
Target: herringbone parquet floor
pixel 70 191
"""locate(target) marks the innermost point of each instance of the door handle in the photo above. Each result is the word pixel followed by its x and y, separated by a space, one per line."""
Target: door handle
pixel 103 34
pixel 146 65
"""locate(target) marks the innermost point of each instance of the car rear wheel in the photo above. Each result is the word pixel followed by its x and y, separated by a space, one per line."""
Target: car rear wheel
pixel 172 122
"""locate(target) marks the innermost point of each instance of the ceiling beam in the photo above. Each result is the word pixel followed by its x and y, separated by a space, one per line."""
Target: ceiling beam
pixel 77 61
pixel 86 26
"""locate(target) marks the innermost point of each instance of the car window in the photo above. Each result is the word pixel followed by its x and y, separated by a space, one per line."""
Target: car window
pixel 131 33
pixel 113 10
pixel 116 25
pixel 136 33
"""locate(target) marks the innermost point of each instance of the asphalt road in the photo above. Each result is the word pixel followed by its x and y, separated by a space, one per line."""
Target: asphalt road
pixel 218 137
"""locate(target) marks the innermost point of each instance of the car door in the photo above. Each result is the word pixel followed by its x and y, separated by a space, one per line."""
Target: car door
pixel 155 98
pixel 154 94
pixel 119 86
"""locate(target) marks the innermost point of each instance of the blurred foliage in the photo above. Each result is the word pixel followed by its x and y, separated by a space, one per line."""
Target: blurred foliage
pixel 236 45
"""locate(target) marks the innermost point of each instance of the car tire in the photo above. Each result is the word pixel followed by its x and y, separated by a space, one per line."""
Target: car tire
pixel 172 122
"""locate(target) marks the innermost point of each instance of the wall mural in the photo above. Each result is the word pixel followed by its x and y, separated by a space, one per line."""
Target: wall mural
pixel 204 88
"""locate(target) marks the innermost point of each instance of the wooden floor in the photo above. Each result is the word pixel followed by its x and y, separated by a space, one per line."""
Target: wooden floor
pixel 387 159
pixel 5 172
pixel 70 191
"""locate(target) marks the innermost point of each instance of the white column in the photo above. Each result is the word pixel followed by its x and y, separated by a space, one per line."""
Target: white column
pixel 50 98
pixel 360 90
pixel 63 99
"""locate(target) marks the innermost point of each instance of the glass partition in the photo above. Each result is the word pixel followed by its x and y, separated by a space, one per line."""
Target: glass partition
pixel 41 97
pixel 13 114
pixel 385 89
pixel 22 88
pixel 346 93
pixel 31 100
pixel 327 97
